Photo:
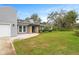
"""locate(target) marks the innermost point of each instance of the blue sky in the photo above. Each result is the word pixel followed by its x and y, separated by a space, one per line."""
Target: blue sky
pixel 26 10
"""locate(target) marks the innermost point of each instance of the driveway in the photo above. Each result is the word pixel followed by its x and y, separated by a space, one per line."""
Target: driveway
pixel 23 36
pixel 6 47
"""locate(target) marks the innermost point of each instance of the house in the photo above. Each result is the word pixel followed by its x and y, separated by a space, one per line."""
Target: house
pixel 24 26
pixel 8 22
pixel 10 26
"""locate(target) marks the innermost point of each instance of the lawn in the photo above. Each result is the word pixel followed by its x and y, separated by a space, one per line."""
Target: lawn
pixel 50 43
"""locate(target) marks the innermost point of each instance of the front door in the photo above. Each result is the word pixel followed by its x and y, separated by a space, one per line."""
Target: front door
pixel 33 29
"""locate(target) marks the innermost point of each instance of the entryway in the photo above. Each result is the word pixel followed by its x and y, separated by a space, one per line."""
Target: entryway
pixel 33 29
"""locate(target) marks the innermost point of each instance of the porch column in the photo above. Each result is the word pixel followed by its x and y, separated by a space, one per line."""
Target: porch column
pixel 22 29
pixel 29 29
pixel 17 29
pixel 37 29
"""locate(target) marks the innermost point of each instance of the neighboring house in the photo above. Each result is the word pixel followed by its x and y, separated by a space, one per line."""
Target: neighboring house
pixel 8 22
pixel 10 26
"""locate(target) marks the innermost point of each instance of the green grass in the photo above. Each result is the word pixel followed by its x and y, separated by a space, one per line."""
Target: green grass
pixel 50 43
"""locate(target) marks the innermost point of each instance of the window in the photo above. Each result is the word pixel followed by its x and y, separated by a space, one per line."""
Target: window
pixel 20 28
pixel 24 28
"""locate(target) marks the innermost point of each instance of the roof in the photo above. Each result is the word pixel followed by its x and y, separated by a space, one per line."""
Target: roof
pixel 43 24
pixel 25 22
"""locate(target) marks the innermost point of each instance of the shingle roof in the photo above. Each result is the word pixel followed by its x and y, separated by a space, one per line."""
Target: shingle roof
pixel 25 22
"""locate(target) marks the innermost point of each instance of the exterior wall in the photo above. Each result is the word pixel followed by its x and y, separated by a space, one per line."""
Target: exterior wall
pixel 22 28
pixel 17 29
pixel 29 29
pixel 26 29
pixel 8 16
pixel 37 29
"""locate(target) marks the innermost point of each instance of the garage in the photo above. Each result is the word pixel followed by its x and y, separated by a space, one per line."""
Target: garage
pixel 8 21
pixel 5 30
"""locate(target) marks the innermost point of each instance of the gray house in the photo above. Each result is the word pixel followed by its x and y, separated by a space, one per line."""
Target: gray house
pixel 23 26
pixel 8 22
pixel 10 26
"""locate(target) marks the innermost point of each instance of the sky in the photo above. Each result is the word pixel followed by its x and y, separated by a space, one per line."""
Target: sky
pixel 26 10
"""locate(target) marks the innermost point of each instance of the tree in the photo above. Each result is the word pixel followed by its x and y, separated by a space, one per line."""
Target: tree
pixel 56 19
pixel 36 18
pixel 62 20
pixel 52 17
pixel 27 19
pixel 70 18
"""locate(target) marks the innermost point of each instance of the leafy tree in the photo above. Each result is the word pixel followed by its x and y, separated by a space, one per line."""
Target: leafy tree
pixel 62 20
pixel 70 18
pixel 27 19
pixel 36 18
pixel 52 17
pixel 56 19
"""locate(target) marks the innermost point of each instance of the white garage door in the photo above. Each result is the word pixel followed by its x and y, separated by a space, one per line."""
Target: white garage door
pixel 4 30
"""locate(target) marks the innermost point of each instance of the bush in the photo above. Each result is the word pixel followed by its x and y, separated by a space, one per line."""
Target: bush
pixel 77 32
pixel 46 29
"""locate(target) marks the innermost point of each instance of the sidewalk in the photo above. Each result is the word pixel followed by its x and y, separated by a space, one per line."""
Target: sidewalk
pixel 23 36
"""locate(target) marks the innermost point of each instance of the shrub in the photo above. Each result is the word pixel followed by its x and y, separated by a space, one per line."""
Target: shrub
pixel 77 32
pixel 46 29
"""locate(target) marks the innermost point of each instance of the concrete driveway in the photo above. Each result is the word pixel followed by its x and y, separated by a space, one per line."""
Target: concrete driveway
pixel 6 47
pixel 23 36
